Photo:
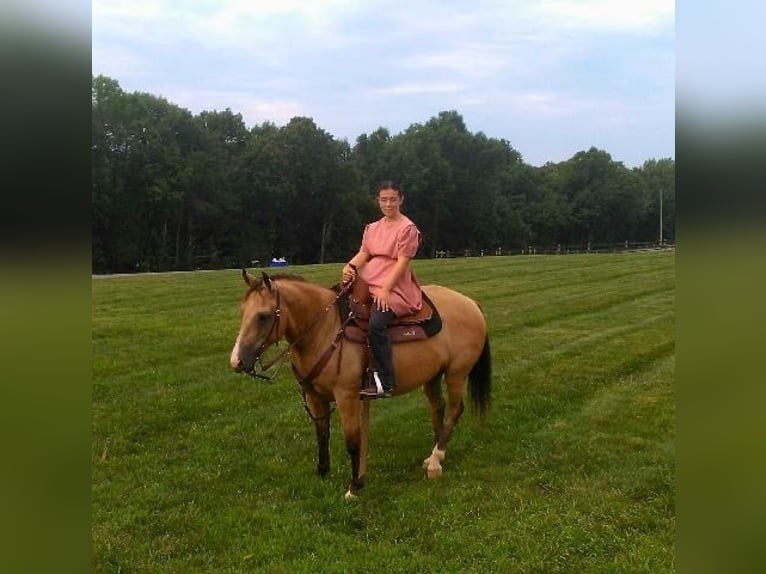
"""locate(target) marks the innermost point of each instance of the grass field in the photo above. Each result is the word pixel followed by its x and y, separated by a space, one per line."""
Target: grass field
pixel 197 469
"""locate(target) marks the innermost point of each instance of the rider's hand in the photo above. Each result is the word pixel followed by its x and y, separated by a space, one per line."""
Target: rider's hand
pixel 381 300
pixel 348 274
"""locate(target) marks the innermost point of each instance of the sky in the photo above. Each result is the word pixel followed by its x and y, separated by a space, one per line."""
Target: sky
pixel 552 77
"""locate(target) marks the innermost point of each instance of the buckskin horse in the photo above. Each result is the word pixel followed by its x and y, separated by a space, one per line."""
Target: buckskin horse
pixel 329 367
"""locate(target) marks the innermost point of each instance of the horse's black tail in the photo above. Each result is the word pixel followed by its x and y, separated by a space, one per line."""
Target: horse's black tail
pixel 480 379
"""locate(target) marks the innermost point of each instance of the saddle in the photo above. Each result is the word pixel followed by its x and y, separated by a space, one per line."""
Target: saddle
pixel 356 305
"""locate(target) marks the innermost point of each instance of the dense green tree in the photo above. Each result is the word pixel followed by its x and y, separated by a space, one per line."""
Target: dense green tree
pixel 603 199
pixel 107 175
pixel 141 148
pixel 215 186
pixel 317 178
pixel 173 190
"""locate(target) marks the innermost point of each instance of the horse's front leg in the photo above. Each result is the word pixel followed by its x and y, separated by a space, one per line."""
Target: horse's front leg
pixel 320 413
pixel 349 409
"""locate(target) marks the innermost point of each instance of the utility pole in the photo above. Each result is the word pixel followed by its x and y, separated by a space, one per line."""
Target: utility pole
pixel 660 215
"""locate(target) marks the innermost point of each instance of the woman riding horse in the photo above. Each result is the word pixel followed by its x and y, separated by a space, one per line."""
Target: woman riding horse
pixel 329 369
pixel 384 264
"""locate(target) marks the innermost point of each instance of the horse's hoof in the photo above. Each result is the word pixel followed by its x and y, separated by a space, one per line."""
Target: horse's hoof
pixel 434 471
pixel 350 495
pixel 437 456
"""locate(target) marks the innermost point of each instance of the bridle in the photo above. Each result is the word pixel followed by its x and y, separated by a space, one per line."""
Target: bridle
pixel 282 355
pixel 253 372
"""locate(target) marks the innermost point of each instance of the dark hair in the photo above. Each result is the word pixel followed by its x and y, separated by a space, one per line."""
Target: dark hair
pixel 389 184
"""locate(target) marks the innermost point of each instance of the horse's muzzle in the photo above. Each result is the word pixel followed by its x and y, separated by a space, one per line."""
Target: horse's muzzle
pixel 243 366
pixel 239 363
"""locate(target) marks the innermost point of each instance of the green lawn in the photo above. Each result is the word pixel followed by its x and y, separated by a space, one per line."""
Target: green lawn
pixel 197 469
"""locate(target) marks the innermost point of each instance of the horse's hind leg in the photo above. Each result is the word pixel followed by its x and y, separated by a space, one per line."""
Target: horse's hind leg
pixel 455 388
pixel 433 391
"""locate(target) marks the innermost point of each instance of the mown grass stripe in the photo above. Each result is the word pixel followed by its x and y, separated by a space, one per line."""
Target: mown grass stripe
pixel 198 470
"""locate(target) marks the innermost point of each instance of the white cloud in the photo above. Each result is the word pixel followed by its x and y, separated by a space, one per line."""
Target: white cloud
pixel 252 27
pixel 415 88
pixel 121 62
pixel 466 60
pixel 254 109
pixel 550 105
pixel 610 15
pixel 105 11
pixel 589 64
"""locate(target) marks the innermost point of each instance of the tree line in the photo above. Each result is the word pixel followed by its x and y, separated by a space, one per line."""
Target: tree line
pixel 172 190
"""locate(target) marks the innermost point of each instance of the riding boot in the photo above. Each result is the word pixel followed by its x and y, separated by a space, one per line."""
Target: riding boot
pixel 383 381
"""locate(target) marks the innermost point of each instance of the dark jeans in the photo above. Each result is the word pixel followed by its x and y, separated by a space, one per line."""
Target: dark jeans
pixel 380 345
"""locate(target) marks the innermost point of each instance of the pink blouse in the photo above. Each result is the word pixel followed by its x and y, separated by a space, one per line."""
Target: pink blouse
pixel 384 241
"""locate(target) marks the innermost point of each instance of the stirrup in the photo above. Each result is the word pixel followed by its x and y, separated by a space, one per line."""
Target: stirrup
pixel 373 388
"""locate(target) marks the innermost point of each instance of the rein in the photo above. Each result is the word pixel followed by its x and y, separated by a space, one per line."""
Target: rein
pixel 283 354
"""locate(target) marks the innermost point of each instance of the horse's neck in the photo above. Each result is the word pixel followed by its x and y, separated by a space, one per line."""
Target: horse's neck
pixel 306 312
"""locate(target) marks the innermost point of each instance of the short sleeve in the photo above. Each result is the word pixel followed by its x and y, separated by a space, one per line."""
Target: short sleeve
pixel 408 241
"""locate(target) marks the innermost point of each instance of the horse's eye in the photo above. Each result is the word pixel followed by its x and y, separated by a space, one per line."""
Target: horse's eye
pixel 263 317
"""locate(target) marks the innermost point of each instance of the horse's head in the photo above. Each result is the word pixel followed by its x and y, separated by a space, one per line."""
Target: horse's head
pixel 259 327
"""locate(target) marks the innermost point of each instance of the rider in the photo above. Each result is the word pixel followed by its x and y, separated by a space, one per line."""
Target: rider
pixel 383 261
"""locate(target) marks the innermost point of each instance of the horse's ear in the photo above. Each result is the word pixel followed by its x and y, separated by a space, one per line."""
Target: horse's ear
pixel 266 280
pixel 249 279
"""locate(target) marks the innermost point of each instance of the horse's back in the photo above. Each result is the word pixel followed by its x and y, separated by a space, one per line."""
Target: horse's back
pixel 457 310
pixel 462 338
pixel 451 298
